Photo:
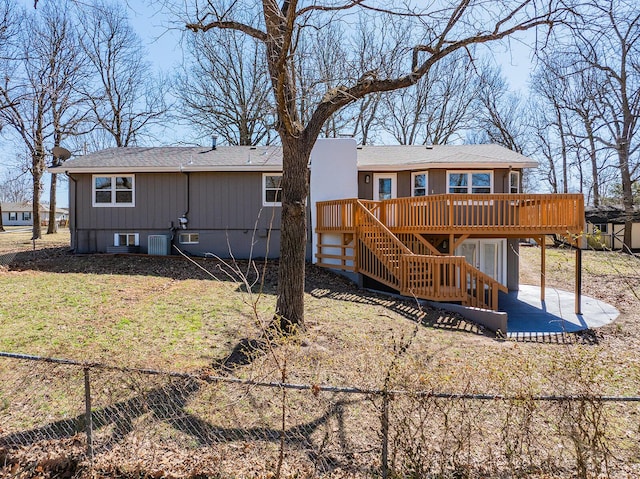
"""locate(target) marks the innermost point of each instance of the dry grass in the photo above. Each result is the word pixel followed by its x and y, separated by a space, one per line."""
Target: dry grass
pixel 18 239
pixel 177 316
pixel 169 313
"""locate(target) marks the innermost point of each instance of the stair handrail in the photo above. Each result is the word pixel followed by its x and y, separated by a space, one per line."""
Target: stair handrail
pixel 403 247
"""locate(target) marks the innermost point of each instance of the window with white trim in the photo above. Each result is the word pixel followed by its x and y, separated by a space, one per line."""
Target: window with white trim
pixel 419 183
pixel 13 216
pixel 115 190
pixel 271 189
pixel 514 182
pixel 469 182
pixel 26 216
pixel 189 238
pixel 126 239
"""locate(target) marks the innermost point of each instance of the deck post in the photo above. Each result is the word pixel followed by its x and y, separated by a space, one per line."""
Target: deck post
pixel 543 265
pixel 578 278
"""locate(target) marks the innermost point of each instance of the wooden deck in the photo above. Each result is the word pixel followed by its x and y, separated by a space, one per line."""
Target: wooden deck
pixel 387 240
pixel 504 215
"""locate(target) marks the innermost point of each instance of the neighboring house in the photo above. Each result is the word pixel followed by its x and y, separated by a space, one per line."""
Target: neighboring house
pixel 402 216
pixel 21 214
pixel 17 214
pixel 605 227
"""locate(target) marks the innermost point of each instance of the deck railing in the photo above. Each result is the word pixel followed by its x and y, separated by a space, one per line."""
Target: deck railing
pixel 439 214
pixel 381 255
pixel 379 250
pixel 448 279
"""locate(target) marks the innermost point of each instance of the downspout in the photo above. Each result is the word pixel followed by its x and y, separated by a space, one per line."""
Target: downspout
pixel 75 212
pixel 188 192
pixel 184 219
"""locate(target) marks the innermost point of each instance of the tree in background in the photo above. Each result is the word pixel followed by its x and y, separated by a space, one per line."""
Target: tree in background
pixel 607 42
pixel 38 81
pixel 437 109
pixel 499 114
pixel 432 36
pixel 224 89
pixel 124 100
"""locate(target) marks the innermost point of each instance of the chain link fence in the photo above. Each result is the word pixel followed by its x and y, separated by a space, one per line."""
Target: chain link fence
pixel 60 417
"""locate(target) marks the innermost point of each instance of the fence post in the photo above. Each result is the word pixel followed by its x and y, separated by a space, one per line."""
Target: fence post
pixel 385 435
pixel 87 413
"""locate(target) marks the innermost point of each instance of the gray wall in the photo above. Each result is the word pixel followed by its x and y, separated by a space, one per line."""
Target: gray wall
pixel 224 208
pixel 437 182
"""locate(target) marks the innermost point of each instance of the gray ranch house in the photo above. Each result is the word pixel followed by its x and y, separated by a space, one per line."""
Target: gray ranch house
pixel 439 222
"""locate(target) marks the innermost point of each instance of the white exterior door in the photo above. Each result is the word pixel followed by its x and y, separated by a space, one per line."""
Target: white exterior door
pixel 487 255
pixel 384 186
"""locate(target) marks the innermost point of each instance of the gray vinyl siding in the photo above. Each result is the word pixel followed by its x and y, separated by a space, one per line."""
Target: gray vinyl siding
pixel 437 182
pixel 224 208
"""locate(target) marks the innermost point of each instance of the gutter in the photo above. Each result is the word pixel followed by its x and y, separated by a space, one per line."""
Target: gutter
pixel 75 212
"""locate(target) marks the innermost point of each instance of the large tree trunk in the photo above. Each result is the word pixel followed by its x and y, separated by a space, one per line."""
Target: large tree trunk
pixel 1 225
pixel 53 225
pixel 293 234
pixel 37 168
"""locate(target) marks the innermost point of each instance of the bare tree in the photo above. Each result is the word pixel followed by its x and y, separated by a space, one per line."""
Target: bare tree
pixel 38 82
pixel 498 112
pixel 15 187
pixel 566 103
pixel 608 41
pixel 126 102
pixel 436 110
pixel 435 34
pixel 224 89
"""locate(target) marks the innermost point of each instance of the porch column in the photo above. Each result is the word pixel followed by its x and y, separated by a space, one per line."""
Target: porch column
pixel 543 265
pixel 578 278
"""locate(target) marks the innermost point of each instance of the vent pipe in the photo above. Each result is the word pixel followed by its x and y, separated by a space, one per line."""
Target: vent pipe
pixel 214 141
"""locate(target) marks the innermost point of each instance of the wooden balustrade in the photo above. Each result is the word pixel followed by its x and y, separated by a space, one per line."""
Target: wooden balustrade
pixel 368 231
pixel 510 214
pixel 448 279
pixel 379 249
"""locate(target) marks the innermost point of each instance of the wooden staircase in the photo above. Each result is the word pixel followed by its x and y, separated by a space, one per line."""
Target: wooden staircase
pixel 382 256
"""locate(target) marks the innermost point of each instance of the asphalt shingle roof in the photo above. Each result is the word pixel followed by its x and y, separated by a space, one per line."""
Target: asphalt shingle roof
pixel 269 158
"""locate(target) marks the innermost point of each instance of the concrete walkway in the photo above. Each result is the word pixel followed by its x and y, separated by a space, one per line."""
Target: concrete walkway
pixel 527 315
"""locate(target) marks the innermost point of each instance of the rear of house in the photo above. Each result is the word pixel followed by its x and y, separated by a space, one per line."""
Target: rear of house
pixel 201 201
pixel 439 222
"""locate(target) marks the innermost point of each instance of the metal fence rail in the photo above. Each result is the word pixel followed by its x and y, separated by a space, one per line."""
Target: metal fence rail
pixel 185 424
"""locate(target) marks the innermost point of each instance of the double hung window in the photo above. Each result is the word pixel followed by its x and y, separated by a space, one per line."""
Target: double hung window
pixel 116 190
pixel 272 189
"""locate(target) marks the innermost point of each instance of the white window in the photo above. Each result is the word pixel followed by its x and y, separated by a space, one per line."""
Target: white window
pixel 189 238
pixel 272 189
pixel 26 216
pixel 514 182
pixel 419 183
pixel 468 182
pixel 116 190
pixel 126 239
pixel 13 216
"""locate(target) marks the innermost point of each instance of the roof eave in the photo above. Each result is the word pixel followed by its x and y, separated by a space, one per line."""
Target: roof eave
pixel 164 169
pixel 445 165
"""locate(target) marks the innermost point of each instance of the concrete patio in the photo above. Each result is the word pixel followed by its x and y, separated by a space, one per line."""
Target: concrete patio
pixel 528 316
